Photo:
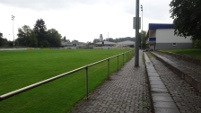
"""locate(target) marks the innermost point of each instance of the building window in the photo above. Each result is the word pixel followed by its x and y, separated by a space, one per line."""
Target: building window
pixel 174 44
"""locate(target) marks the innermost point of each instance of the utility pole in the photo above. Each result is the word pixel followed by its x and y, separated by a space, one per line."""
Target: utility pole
pixel 142 27
pixel 142 16
pixel 13 18
pixel 137 35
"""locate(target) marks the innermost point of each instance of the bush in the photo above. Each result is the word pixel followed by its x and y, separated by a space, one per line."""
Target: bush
pixel 197 43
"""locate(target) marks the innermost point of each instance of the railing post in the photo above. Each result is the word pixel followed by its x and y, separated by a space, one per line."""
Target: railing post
pixel 123 59
pixel 117 62
pixel 87 87
pixel 108 67
pixel 127 56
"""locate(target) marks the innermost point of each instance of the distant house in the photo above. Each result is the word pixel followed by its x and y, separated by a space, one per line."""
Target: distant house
pixel 90 45
pixel 161 36
pixel 105 44
pixel 73 45
pixel 81 45
pixel 67 44
pixel 127 43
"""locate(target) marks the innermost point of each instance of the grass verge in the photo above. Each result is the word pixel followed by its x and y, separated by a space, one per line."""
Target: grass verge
pixel 196 53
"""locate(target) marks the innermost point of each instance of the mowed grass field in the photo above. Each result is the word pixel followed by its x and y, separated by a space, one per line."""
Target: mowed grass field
pixel 24 67
pixel 196 53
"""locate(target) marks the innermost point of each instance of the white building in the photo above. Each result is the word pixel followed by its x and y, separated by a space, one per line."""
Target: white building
pixel 127 43
pixel 73 45
pixel 105 44
pixel 161 36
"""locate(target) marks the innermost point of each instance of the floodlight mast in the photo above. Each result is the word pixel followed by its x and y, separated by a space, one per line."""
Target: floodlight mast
pixel 13 18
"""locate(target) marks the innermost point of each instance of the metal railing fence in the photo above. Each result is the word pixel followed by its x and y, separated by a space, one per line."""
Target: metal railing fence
pixel 21 90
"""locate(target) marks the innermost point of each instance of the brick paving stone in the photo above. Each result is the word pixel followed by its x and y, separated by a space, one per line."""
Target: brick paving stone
pixel 187 99
pixel 126 92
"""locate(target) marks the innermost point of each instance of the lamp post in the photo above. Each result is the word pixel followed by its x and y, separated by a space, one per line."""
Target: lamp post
pixel 142 26
pixel 142 16
pixel 137 35
pixel 13 18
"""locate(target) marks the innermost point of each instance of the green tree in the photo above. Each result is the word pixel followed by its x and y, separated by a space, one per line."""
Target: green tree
pixel 33 41
pixel 3 41
pixel 187 19
pixel 23 35
pixel 96 40
pixel 1 35
pixel 54 38
pixel 110 39
pixel 41 33
pixel 124 39
pixel 26 37
pixel 75 41
pixel 143 40
pixel 197 43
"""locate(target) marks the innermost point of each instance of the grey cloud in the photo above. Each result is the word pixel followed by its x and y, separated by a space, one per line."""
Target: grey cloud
pixel 58 4
pixel 42 4
pixel 157 11
pixel 152 9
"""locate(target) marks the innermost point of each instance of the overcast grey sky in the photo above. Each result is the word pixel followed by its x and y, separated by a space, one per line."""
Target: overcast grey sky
pixel 83 20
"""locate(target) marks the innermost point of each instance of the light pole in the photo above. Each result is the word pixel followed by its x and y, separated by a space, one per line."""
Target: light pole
pixel 142 16
pixel 13 18
pixel 137 35
pixel 142 26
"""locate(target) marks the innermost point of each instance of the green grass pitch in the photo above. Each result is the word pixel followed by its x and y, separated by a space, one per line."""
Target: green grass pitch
pixel 24 67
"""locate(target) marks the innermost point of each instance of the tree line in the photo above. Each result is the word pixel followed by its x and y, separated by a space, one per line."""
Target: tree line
pixel 115 40
pixel 39 36
pixel 4 42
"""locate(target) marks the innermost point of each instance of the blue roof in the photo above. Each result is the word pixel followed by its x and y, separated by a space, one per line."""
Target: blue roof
pixel 160 26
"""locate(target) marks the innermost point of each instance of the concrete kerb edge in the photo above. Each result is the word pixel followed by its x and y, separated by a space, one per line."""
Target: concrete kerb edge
pixel 180 73
pixel 145 61
pixel 155 89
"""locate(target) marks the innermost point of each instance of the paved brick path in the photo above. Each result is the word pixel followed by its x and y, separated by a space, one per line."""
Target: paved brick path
pixel 186 98
pixel 126 92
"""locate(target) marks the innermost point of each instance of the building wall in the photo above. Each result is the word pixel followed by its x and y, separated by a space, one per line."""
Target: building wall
pixel 167 36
